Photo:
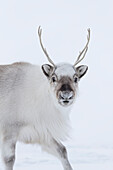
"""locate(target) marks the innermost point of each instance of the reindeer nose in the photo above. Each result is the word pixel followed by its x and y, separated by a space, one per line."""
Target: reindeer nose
pixel 66 95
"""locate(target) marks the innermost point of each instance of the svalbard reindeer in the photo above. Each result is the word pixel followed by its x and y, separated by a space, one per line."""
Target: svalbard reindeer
pixel 35 103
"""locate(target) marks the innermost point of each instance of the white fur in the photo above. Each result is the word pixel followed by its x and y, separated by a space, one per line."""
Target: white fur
pixel 30 112
pixel 30 104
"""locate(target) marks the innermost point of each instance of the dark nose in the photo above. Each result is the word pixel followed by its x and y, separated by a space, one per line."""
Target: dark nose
pixel 66 87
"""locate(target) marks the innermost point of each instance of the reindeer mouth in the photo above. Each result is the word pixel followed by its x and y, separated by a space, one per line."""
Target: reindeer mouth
pixel 65 101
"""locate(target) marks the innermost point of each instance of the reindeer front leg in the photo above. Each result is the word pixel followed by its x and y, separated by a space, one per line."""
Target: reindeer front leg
pixel 58 150
pixel 8 152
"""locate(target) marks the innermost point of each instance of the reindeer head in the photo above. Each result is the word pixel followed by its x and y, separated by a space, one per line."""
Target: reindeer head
pixel 63 78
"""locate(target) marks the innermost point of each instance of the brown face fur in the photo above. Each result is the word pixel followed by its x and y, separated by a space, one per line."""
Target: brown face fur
pixel 64 80
pixel 64 89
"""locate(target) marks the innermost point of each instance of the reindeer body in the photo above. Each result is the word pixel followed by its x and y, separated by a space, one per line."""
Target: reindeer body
pixel 35 103
pixel 26 105
pixel 28 112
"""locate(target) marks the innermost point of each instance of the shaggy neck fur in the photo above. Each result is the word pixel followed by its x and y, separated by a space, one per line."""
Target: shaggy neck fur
pixel 46 117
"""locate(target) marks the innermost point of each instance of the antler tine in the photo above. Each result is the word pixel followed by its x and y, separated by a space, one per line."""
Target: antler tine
pixel 84 50
pixel 44 49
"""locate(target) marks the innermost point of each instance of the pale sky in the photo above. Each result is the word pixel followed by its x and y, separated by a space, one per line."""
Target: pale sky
pixel 65 26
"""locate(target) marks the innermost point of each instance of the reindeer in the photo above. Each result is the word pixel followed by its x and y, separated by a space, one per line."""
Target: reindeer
pixel 35 103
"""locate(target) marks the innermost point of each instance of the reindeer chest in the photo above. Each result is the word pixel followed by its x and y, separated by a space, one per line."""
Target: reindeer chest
pixel 44 130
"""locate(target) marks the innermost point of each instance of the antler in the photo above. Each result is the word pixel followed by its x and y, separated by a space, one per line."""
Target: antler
pixel 84 50
pixel 44 50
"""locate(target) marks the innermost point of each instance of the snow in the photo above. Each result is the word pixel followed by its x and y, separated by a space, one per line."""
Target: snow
pixel 30 157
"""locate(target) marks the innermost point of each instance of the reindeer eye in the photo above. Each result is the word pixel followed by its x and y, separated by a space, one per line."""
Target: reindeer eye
pixel 75 79
pixel 54 79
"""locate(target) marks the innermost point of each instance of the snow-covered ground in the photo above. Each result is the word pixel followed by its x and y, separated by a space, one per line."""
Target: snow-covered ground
pixel 30 157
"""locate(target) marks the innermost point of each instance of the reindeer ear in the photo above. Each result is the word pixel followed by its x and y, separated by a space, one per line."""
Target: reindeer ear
pixel 81 70
pixel 47 69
